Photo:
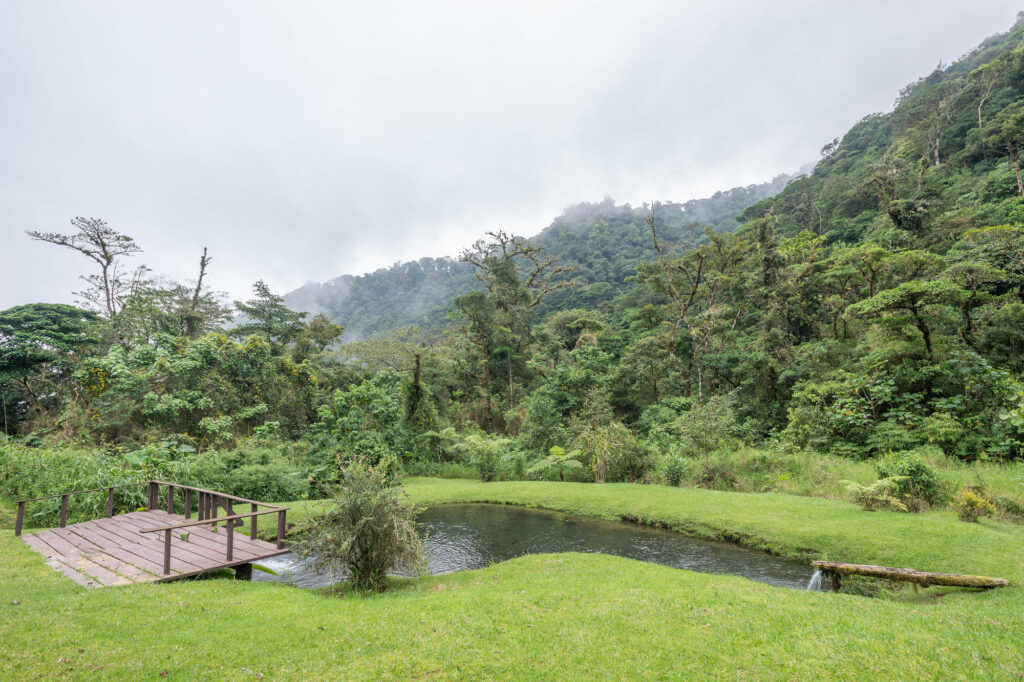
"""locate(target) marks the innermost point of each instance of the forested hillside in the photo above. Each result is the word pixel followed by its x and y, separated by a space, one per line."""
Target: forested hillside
pixel 602 241
pixel 873 309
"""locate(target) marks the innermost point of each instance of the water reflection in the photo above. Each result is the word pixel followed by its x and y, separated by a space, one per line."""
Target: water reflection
pixel 461 537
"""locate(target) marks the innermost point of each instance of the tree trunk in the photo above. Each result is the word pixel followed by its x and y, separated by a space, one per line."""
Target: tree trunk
pixel 1016 168
pixel 922 327
pixel 923 578
pixel 511 386
pixel 35 398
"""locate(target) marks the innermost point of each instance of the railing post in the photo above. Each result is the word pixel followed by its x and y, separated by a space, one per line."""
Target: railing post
pixel 170 499
pixel 19 518
pixel 252 522
pixel 231 539
pixel 281 528
pixel 63 510
pixel 188 503
pixel 167 552
pixel 216 503
pixel 110 502
pixel 152 495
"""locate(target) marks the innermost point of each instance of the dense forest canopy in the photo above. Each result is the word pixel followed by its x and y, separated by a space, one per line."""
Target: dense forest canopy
pixel 874 305
pixel 602 241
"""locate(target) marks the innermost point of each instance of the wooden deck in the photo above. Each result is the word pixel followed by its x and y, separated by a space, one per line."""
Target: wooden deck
pixel 155 545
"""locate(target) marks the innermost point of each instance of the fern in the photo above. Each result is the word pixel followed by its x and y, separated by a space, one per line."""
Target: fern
pixel 882 494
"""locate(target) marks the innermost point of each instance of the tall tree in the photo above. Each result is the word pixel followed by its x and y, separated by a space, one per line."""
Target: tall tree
pixel 1011 138
pixel 267 315
pixel 516 276
pixel 107 248
pixel 41 336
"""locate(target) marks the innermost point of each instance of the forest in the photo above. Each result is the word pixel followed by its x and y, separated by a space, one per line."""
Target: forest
pixel 867 316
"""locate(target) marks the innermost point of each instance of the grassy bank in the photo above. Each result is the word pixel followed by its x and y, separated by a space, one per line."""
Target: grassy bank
pixel 554 616
pixel 788 525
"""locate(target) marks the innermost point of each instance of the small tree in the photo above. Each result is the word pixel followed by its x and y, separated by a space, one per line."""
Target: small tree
pixel 268 316
pixel 558 459
pixel 368 532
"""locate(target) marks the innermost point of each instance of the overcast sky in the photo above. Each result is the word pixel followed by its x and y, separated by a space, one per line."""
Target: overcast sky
pixel 304 140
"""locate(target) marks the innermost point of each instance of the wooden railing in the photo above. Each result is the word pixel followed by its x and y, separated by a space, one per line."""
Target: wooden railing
pixel 209 501
pixel 19 518
pixel 206 502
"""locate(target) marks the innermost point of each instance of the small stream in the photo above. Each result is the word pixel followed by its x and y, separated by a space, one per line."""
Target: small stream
pixel 467 536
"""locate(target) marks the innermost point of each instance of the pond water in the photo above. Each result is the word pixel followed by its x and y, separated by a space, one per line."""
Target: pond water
pixel 468 536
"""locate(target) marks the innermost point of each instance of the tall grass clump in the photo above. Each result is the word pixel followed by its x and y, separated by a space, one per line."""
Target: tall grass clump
pixel 368 530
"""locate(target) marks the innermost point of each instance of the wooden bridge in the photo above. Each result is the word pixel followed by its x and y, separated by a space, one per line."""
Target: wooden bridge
pixel 155 544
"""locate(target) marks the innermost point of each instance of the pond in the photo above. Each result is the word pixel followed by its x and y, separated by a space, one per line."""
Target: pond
pixel 467 536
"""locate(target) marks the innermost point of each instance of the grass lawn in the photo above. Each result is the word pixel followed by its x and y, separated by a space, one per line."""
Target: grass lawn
pixel 553 616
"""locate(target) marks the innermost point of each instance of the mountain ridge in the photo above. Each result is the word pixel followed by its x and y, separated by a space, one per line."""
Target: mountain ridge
pixel 420 291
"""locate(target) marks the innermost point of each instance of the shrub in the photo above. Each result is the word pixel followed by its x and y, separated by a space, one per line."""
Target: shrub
pixel 367 532
pixel 970 506
pixel 918 481
pixel 277 482
pixel 486 453
pixel 1010 506
pixel 676 469
pixel 716 476
pixel 882 494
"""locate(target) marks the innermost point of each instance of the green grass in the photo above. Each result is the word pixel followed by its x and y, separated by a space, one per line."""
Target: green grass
pixel 553 616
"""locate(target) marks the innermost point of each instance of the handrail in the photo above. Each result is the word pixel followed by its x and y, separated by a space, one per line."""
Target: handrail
pixel 213 521
pixel 19 517
pixel 82 492
pixel 221 495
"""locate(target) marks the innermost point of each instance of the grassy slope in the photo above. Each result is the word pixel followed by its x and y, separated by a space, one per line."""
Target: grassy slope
pixel 553 616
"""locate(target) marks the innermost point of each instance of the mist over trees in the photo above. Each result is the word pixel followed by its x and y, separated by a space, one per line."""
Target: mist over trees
pixel 601 241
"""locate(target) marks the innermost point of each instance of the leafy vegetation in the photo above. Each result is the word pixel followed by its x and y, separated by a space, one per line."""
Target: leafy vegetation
pixel 970 506
pixel 367 532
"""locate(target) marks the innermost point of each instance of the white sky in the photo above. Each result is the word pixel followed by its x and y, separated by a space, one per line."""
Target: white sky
pixel 304 140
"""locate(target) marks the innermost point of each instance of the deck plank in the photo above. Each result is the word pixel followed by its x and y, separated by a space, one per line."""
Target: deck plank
pixel 149 545
pixel 95 571
pixel 80 578
pixel 140 546
pixel 126 555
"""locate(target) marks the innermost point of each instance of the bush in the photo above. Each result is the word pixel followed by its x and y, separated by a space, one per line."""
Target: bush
pixel 275 482
pixel 367 532
pixel 676 469
pixel 486 453
pixel 919 483
pixel 882 494
pixel 257 473
pixel 1010 506
pixel 970 506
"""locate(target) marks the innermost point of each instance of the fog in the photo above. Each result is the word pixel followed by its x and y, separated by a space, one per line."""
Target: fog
pixel 300 141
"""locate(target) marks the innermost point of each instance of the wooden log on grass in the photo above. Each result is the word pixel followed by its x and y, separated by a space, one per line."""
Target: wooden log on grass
pixel 923 578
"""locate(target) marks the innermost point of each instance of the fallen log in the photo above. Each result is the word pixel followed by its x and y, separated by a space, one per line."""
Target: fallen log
pixel 922 578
